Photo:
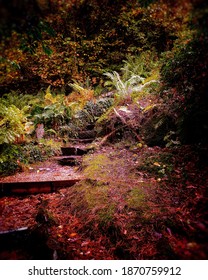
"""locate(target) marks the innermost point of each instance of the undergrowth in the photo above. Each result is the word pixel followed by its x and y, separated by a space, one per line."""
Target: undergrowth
pixel 139 206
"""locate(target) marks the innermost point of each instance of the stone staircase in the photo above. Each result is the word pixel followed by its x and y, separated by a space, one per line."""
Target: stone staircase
pixel 71 156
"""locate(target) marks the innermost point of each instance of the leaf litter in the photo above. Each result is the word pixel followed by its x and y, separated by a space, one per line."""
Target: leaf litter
pixel 120 209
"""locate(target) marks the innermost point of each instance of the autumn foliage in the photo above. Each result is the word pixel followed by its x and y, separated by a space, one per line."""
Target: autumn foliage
pixel 132 77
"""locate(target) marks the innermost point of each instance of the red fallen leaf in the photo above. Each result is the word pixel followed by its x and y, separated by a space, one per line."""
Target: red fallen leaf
pixel 136 237
pixel 191 187
pixel 158 235
pixel 169 231
pixel 85 243
pixel 72 239
pixel 201 226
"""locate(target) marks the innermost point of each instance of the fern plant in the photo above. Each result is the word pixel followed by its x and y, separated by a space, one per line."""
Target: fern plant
pixel 53 116
pixel 135 83
pixel 21 101
pixel 50 98
pixel 9 155
pixel 142 65
pixel 12 123
pixel 80 95
pixel 53 113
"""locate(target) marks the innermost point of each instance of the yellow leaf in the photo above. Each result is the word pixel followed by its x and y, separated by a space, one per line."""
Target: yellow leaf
pixel 49 99
pixel 149 107
pixel 156 164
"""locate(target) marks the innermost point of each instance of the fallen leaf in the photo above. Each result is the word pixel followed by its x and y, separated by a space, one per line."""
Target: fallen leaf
pixel 156 164
pixel 85 243
pixel 169 231
pixel 191 187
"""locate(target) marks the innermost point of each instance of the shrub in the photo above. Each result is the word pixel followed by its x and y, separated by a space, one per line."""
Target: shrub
pixel 9 155
pixel 54 112
pixel 185 80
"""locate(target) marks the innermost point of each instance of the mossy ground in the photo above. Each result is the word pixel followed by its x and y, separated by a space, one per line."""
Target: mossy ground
pixel 133 212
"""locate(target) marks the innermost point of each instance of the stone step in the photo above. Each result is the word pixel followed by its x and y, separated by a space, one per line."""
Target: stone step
pixel 86 134
pixel 74 151
pixel 69 160
pixel 78 140
pixel 34 187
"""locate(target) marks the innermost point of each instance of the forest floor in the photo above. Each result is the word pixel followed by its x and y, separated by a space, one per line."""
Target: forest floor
pixel 132 203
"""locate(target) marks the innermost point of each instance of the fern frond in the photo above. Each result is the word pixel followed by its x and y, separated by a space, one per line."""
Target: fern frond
pixel 76 87
pixel 135 83
pixel 141 87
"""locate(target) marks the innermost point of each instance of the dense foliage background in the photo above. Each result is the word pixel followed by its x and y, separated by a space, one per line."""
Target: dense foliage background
pixel 54 53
